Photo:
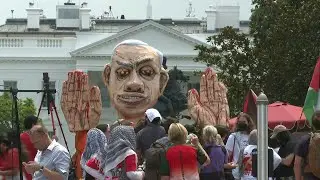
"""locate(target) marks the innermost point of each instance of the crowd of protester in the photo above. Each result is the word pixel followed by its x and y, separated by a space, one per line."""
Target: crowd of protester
pixel 164 149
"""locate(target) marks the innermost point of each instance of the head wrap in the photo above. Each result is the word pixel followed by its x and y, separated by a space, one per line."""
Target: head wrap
pixel 95 146
pixel 121 144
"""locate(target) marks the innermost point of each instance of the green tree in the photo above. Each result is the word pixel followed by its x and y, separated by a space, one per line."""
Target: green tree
pixel 285 34
pixel 26 107
pixel 232 55
pixel 174 100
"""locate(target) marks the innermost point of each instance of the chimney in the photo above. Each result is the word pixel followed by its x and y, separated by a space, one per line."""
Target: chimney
pixel 211 19
pixel 85 16
pixel 33 16
pixel 228 15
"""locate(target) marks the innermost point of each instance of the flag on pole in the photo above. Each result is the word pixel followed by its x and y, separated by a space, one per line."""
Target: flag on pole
pixel 250 105
pixel 312 98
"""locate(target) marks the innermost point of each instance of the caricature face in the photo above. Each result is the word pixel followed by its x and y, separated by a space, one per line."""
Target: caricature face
pixel 134 81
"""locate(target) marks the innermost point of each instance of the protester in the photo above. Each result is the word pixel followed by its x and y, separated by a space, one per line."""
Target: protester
pixel 286 151
pixel 239 140
pixel 306 164
pixel 93 154
pixel 218 154
pixel 152 160
pixel 246 162
pixel 121 158
pixel 150 133
pixel 29 122
pixel 181 160
pixel 9 168
pixel 52 160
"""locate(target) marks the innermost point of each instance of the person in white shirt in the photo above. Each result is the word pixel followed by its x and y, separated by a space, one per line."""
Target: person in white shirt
pixel 238 140
pixel 245 160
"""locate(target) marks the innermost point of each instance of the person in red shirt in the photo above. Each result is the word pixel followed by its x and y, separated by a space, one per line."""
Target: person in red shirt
pixel 29 122
pixel 10 160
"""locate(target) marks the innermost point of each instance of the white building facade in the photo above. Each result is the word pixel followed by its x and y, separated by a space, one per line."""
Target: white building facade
pixel 34 45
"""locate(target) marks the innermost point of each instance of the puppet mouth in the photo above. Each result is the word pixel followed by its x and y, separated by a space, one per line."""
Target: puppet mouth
pixel 131 99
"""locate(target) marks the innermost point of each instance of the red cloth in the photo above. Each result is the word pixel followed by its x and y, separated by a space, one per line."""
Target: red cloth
pixel 130 161
pixel 92 163
pixel 10 159
pixel 32 151
pixel 26 141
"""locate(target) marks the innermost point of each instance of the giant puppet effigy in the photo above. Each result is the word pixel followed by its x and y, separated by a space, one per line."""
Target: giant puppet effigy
pixel 135 80
pixel 210 105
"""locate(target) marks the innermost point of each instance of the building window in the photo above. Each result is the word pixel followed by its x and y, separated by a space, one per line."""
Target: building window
pixel 9 84
pixel 52 85
pixel 96 80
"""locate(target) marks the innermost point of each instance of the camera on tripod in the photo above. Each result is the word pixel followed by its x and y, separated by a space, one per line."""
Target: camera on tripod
pixel 48 95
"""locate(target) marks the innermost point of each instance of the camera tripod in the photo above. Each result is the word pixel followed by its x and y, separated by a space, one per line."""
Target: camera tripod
pixel 51 107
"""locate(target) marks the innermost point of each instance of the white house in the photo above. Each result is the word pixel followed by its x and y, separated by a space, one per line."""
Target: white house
pixel 34 45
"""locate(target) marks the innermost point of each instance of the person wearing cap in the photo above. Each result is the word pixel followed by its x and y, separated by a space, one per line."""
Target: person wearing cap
pixel 286 151
pixel 150 133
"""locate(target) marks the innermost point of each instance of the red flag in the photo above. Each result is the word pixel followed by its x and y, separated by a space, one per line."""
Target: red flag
pixel 250 105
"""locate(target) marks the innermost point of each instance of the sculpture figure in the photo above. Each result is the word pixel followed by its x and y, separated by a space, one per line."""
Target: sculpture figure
pixel 135 79
pixel 210 107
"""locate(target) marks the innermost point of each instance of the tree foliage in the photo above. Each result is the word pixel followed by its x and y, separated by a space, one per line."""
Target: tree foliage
pixel 286 42
pixel 278 56
pixel 231 54
pixel 174 100
pixel 26 107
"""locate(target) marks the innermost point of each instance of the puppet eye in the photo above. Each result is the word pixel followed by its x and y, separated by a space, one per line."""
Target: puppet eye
pixel 122 73
pixel 147 72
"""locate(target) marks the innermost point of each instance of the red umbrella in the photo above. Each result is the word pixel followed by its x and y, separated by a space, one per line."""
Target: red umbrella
pixel 282 113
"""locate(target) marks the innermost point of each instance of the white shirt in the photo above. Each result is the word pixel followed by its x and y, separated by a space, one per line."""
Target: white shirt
pixel 247 162
pixel 235 143
pixel 55 158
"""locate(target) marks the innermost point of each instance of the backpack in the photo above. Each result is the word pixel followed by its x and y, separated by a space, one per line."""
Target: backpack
pixel 153 155
pixel 153 160
pixel 314 154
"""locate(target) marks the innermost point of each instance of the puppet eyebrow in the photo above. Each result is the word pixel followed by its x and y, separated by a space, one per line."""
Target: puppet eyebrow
pixel 144 61
pixel 129 65
pixel 132 65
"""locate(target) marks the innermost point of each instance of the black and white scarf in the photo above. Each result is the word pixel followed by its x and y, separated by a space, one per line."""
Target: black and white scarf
pixel 95 148
pixel 121 144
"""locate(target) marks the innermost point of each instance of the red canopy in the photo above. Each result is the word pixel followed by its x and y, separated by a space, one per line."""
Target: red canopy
pixel 282 113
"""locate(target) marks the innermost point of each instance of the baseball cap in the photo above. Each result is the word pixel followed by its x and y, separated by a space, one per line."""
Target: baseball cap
pixel 278 129
pixel 152 114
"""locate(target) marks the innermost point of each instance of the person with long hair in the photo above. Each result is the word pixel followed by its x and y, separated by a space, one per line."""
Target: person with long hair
pixel 238 140
pixel 91 158
pixel 214 147
pixel 181 159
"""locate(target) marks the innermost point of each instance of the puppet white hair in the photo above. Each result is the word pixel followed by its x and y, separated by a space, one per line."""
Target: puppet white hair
pixel 134 42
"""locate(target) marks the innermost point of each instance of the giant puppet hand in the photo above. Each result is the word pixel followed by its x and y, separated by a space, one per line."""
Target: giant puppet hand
pixel 81 104
pixel 211 106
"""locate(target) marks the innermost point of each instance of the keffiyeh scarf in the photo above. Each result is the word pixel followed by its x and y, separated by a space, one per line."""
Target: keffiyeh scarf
pixel 121 144
pixel 95 146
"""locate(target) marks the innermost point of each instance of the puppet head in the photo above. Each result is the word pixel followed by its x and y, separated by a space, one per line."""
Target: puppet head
pixel 135 78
